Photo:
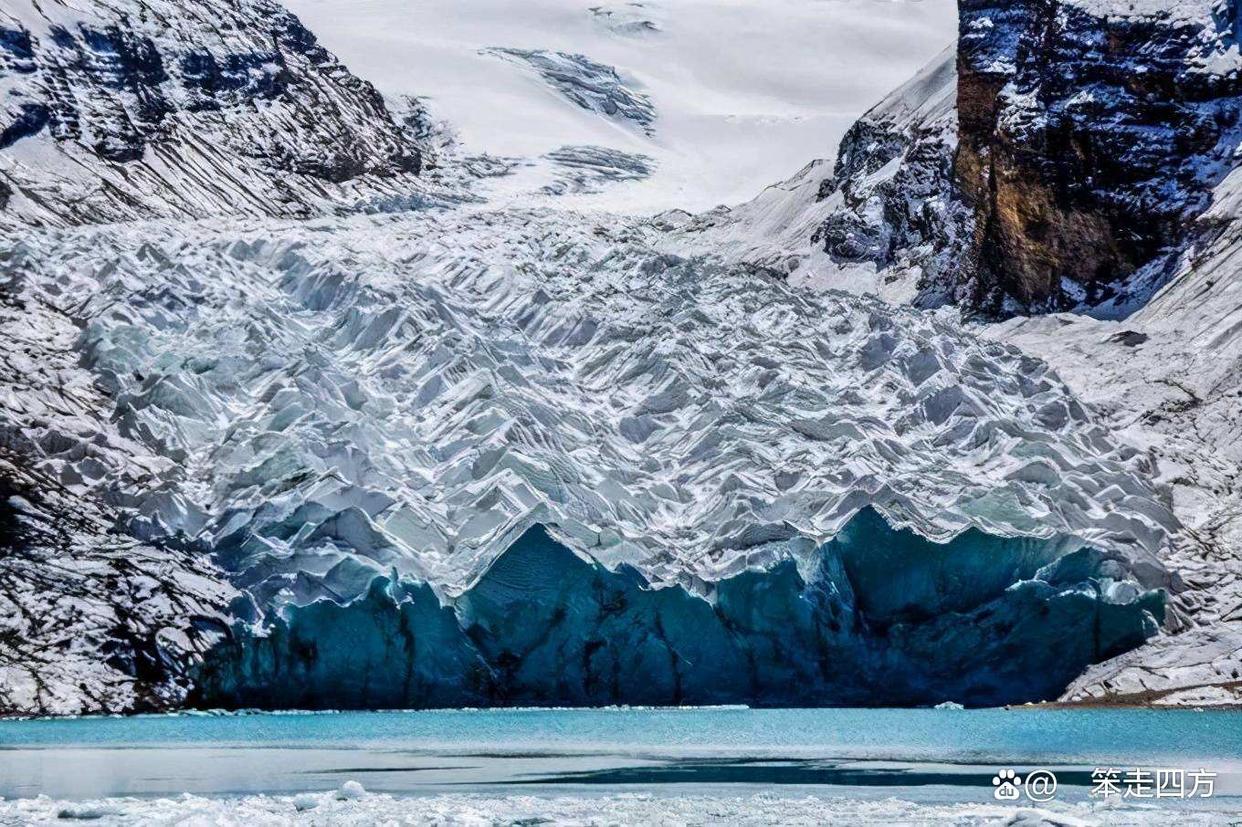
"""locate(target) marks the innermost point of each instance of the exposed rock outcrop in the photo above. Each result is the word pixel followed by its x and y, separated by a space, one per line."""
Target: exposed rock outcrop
pixel 1091 133
pixel 593 86
pixel 1076 145
pixel 141 108
pixel 892 196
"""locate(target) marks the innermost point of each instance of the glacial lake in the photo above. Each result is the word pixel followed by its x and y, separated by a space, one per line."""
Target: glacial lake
pixel 924 755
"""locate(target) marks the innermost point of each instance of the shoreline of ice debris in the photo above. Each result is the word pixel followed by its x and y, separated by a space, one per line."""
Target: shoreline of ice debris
pixel 352 804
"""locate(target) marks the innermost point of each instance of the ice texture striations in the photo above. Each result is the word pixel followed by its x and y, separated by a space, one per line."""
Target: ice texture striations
pixel 593 86
pixel 408 399
pixel 591 168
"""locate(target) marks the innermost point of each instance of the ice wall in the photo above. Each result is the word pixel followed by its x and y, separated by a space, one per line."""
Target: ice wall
pixel 883 618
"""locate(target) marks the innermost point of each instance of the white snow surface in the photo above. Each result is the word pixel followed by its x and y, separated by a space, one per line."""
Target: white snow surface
pixel 745 93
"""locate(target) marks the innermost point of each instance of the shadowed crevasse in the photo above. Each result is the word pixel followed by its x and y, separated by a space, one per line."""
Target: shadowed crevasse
pixel 883 617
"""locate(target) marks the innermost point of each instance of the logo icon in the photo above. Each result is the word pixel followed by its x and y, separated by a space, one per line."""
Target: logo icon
pixel 1041 785
pixel 1006 783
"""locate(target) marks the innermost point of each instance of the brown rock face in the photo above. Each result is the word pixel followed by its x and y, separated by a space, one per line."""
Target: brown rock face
pixel 1088 137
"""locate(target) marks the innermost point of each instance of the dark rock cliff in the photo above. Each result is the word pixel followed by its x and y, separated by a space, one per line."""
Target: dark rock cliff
pixel 1089 136
pixel 141 109
pixel 1084 140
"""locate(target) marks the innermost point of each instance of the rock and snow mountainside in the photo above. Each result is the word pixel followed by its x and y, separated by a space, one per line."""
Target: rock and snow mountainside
pixel 890 201
pixel 478 455
pixel 93 618
pixel 1060 167
pixel 123 109
pixel 1169 377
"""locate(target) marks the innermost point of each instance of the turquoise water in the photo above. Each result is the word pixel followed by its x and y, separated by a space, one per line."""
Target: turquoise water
pixel 949 754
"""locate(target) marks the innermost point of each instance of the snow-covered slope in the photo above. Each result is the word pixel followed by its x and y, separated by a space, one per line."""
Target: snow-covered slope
pixel 123 109
pixel 745 93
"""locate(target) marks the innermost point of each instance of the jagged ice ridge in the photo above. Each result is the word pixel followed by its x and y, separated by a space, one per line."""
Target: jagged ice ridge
pixel 400 399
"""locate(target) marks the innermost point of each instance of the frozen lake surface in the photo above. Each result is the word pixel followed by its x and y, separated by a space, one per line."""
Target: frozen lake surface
pixel 683 765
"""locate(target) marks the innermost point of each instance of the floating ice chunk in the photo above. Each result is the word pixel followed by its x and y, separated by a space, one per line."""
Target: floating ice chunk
pixel 308 801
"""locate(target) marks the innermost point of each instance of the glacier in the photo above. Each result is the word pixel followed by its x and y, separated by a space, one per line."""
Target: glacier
pixel 980 620
pixel 497 455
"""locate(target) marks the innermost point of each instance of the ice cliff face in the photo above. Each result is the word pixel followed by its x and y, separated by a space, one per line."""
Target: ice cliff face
pixel 886 618
pixel 134 109
pixel 1083 140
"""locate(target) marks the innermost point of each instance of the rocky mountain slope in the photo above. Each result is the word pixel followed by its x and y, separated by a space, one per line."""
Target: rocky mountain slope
pixel 1083 141
pixel 94 617
pixel 126 109
pixel 117 111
